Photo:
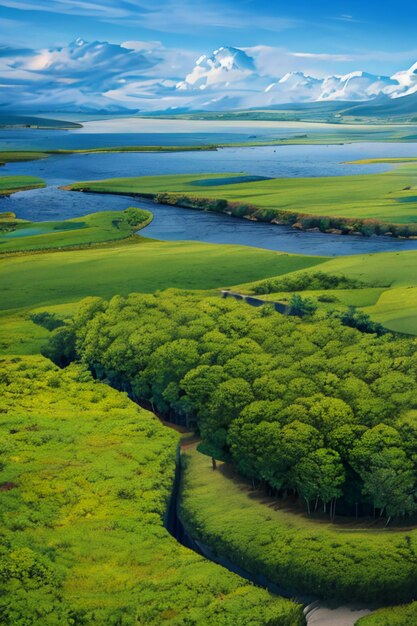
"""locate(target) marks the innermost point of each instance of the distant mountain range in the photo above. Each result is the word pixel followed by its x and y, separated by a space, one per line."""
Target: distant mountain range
pixel 104 77
pixel 230 76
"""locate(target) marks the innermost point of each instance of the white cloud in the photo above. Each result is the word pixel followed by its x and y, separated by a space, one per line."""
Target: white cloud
pixel 146 76
pixel 322 56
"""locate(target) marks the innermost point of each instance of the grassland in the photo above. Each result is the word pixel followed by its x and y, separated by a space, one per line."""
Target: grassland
pixel 395 307
pixel 12 184
pixel 88 230
pixel 374 201
pixel 291 550
pixel 59 277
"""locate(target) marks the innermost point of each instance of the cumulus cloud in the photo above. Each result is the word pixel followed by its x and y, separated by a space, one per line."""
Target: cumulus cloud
pixel 89 75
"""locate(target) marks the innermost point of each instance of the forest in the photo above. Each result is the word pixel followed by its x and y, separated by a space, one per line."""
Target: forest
pixel 306 406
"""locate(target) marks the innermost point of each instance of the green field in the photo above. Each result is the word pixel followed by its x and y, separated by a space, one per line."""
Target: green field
pixel 59 277
pixel 17 156
pixel 12 184
pixel 396 307
pixel 388 198
pixel 88 230
pixel 349 562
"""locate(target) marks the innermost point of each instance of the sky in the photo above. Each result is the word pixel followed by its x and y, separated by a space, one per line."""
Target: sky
pixel 318 38
pixel 377 34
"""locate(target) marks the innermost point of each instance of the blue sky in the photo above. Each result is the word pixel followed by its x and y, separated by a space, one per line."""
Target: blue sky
pixel 376 36
pixel 142 54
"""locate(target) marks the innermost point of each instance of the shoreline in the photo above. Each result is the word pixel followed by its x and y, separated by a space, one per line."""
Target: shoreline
pixel 341 226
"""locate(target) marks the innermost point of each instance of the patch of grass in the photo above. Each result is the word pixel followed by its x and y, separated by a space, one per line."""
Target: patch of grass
pixel 86 477
pixel 19 335
pixel 88 230
pixel 292 550
pixel 67 276
pixel 16 156
pixel 12 184
pixel 389 160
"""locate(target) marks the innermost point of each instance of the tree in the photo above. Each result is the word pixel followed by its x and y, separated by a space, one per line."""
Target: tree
pixel 301 306
pixel 373 441
pixel 225 405
pixel 320 475
pixel 390 481
pixel 61 346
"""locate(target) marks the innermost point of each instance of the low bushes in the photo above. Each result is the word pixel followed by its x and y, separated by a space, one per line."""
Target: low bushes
pixel 85 479
pixel 302 281
pixel 303 221
pixel 395 616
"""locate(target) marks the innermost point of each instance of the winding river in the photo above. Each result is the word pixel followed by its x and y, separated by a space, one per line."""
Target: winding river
pixel 175 223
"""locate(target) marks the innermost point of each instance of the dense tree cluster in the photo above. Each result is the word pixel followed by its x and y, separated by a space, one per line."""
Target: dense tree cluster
pixel 308 406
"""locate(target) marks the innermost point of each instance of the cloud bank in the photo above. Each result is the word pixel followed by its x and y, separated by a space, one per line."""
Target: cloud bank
pixel 146 76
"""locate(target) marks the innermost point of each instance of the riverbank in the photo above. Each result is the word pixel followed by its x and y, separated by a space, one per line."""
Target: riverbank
pixel 361 205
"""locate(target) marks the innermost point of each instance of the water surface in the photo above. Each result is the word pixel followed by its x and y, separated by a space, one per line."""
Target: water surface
pixel 175 223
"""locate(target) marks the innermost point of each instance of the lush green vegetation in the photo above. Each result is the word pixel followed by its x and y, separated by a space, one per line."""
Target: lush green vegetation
pixel 11 184
pixel 395 616
pixel 303 281
pixel 394 304
pixel 346 561
pixel 311 406
pixel 310 411
pixel 367 204
pixel 85 478
pixel 88 230
pixel 68 276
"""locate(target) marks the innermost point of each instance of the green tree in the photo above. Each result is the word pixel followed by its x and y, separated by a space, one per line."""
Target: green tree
pixel 320 475
pixel 391 483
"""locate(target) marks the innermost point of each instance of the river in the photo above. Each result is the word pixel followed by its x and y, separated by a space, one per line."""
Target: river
pixel 175 223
